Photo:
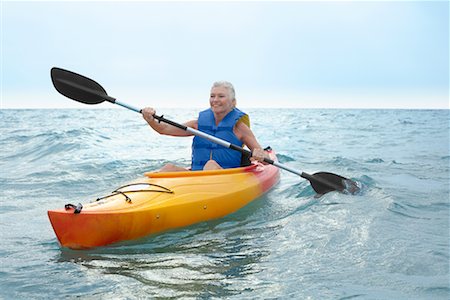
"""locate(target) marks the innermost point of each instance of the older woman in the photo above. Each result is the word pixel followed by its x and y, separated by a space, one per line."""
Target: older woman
pixel 222 120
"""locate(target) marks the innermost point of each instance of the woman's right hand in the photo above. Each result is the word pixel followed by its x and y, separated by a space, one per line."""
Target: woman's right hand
pixel 148 113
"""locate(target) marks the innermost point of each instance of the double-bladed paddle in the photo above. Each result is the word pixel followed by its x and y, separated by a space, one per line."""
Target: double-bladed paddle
pixel 85 90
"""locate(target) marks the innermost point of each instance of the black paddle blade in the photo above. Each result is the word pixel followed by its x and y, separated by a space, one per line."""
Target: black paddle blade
pixel 324 182
pixel 78 87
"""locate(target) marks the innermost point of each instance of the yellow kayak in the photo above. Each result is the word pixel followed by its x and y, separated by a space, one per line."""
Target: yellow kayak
pixel 161 201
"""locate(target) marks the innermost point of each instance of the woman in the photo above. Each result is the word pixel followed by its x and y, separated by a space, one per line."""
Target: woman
pixel 222 120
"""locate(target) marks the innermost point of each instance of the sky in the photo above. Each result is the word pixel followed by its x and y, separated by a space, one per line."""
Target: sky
pixel 305 54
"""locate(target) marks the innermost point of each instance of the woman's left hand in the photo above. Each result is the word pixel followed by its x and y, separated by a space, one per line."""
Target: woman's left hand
pixel 259 154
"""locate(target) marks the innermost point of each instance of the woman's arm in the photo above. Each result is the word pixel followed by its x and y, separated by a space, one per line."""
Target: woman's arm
pixel 164 128
pixel 245 134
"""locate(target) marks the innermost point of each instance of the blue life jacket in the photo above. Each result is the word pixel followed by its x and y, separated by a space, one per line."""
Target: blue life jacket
pixel 204 150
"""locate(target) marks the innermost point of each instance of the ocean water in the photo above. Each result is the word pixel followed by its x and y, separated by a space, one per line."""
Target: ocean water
pixel 391 241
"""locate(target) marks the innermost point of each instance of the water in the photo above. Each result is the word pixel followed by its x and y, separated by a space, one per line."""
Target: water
pixel 389 242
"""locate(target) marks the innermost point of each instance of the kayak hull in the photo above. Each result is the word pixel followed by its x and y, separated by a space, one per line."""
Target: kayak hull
pixel 159 202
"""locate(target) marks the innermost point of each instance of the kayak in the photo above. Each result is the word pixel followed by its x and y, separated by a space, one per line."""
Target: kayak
pixel 161 201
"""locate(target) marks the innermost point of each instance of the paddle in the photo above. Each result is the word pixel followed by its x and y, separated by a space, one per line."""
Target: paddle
pixel 85 90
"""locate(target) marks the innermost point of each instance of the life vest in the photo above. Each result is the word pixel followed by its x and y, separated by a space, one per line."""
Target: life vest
pixel 204 150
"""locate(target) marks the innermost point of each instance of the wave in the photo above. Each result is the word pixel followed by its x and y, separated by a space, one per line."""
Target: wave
pixel 284 158
pixel 342 161
pixel 405 122
pixel 375 161
pixel 404 211
pixel 35 147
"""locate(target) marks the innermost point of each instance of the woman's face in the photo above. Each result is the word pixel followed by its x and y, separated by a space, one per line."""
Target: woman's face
pixel 220 100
